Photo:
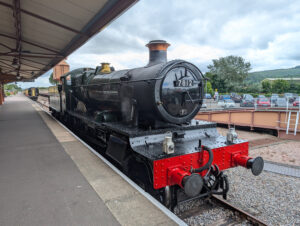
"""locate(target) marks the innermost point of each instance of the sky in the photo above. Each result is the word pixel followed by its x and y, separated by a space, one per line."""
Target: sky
pixel 265 33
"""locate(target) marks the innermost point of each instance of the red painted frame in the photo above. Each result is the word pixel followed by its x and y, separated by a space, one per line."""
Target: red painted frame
pixel 167 171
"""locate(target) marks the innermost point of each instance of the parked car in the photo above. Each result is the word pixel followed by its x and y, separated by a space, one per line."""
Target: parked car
pixel 296 102
pixel 247 101
pixel 261 96
pixel 295 96
pixel 281 102
pixel 235 97
pixel 207 96
pixel 274 97
pixel 247 96
pixel 204 105
pixel 263 102
pixel 225 97
pixel 228 103
pixel 289 97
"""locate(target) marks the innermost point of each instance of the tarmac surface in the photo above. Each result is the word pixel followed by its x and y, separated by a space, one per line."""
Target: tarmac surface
pixel 39 182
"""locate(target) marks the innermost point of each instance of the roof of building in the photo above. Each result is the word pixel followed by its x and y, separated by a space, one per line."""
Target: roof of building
pixel 36 35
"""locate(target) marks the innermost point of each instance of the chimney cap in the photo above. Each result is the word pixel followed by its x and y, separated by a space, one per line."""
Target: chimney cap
pixel 154 42
pixel 157 51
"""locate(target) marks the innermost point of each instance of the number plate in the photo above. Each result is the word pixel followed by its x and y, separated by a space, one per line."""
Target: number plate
pixel 184 83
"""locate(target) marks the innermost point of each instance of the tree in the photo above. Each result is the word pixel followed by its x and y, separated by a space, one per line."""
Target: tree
pixel 266 86
pixel 280 86
pixel 298 88
pixel 293 87
pixel 51 80
pixel 12 87
pixel 228 73
pixel 209 88
pixel 215 83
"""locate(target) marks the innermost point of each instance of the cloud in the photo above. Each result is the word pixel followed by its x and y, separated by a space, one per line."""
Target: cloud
pixel 266 33
pixel 42 81
pixel 283 51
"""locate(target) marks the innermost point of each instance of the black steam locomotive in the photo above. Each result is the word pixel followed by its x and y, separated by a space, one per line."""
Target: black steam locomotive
pixel 142 119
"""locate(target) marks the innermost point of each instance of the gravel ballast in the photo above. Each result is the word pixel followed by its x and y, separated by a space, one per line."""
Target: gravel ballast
pixel 271 197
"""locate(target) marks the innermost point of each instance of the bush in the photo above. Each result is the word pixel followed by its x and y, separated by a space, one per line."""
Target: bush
pixel 7 94
pixel 209 88
pixel 268 94
pixel 280 86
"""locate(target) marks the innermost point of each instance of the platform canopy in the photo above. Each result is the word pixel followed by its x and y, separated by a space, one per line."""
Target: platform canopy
pixel 37 34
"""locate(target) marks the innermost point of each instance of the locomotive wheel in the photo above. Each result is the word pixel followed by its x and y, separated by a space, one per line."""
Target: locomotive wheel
pixel 169 197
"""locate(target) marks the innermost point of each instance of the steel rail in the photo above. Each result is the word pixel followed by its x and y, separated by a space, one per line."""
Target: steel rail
pixel 241 212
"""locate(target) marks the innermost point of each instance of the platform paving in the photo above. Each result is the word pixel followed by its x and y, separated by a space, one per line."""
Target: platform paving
pixel 125 202
pixel 48 177
pixel 39 182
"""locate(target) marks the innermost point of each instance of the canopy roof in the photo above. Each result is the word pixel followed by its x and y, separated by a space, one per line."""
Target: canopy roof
pixel 37 34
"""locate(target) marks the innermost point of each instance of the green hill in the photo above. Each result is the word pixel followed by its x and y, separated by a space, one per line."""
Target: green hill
pixel 256 77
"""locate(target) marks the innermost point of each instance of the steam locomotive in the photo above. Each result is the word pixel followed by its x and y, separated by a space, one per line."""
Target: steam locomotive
pixel 142 119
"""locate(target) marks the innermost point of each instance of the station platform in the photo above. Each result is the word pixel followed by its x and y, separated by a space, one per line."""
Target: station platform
pixel 48 177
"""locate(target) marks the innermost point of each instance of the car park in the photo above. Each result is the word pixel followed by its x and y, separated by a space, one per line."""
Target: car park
pixel 247 101
pixel 296 102
pixel 274 97
pixel 221 103
pixel 225 97
pixel 226 103
pixel 281 102
pixel 263 102
pixel 207 96
pixel 235 97
pixel 295 96
pixel 247 96
pixel 289 97
pixel 204 105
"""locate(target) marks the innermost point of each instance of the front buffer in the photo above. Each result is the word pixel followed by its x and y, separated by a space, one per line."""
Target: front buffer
pixel 189 163
pixel 192 172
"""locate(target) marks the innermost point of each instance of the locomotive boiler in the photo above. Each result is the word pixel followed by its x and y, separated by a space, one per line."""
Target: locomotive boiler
pixel 142 119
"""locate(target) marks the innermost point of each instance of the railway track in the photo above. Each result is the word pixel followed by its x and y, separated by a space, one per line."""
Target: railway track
pixel 243 214
pixel 239 216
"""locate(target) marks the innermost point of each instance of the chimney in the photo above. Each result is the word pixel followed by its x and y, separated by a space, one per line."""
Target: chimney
pixel 157 52
pixel 61 68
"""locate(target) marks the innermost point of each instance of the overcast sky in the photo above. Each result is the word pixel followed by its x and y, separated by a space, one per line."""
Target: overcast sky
pixel 265 33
